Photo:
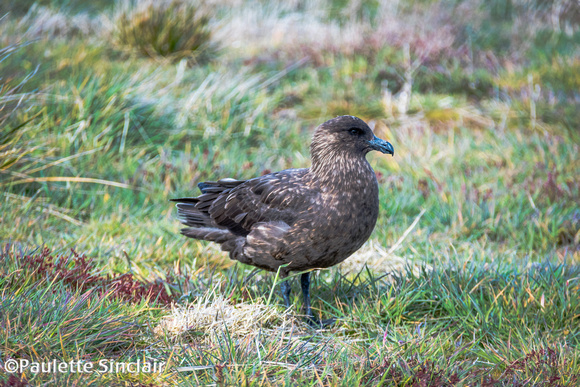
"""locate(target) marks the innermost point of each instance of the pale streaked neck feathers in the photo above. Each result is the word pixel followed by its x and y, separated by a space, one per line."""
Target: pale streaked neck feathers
pixel 334 164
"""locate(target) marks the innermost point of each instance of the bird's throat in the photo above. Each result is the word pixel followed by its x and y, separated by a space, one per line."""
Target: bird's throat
pixel 335 171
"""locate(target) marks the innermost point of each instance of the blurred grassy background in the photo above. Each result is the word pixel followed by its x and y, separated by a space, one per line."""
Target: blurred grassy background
pixel 108 109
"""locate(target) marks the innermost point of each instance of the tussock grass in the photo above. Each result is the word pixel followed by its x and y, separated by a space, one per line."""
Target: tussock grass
pixel 173 29
pixel 471 275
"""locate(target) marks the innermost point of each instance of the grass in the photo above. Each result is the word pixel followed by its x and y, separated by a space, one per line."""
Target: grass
pixel 480 203
pixel 173 29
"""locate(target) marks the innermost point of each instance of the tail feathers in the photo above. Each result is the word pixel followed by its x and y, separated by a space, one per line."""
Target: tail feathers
pixel 189 215
pixel 208 234
pixel 194 212
pixel 185 200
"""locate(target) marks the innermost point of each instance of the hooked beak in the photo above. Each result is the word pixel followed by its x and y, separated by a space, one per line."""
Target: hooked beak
pixel 382 146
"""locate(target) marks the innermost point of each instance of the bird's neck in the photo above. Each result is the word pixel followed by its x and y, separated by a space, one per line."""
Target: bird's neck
pixel 333 170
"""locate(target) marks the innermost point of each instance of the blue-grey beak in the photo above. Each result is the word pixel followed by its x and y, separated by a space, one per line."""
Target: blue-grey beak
pixel 382 146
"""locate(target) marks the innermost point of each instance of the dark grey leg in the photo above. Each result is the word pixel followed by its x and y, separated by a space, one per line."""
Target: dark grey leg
pixel 305 282
pixel 286 292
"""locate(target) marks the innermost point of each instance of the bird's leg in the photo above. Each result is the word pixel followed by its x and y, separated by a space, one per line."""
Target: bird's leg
pixel 285 285
pixel 312 320
pixel 305 282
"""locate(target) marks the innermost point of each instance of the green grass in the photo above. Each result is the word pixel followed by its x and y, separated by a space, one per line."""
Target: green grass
pixel 94 141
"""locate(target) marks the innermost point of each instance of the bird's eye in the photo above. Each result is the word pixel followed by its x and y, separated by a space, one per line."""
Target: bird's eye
pixel 356 131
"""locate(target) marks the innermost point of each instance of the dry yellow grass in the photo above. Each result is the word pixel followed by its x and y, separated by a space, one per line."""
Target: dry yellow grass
pixel 214 314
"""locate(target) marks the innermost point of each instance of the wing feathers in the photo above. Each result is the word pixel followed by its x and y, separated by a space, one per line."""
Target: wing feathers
pixel 239 218
pixel 238 205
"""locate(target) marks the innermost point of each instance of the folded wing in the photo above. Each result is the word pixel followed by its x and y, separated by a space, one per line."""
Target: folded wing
pixel 238 205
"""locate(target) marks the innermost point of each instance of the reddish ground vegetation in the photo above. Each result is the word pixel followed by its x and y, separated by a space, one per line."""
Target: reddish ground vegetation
pixel 537 367
pixel 77 271
pixel 14 381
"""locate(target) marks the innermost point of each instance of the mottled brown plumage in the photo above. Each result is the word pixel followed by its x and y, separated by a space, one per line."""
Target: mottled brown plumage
pixel 303 218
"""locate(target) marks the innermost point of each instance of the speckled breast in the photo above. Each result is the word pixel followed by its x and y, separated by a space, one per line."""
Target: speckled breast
pixel 346 223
